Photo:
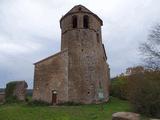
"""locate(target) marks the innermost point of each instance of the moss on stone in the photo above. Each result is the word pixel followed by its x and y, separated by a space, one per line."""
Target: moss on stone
pixel 9 92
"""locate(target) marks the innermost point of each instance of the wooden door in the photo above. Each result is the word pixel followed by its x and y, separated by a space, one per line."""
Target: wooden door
pixel 54 98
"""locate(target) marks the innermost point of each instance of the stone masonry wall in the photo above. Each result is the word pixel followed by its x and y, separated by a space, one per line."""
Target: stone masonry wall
pixel 87 70
pixel 79 72
pixel 20 90
pixel 52 74
pixel 2 97
pixel 87 67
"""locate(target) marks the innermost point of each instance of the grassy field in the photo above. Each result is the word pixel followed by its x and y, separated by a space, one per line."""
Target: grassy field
pixel 82 112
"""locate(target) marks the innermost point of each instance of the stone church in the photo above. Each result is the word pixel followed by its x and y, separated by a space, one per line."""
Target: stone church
pixel 79 72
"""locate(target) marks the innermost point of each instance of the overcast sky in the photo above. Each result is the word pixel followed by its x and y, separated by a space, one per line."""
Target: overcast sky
pixel 29 32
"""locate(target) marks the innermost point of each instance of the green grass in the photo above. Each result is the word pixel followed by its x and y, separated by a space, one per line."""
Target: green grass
pixel 82 112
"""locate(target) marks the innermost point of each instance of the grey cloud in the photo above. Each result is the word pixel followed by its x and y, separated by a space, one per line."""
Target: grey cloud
pixel 30 31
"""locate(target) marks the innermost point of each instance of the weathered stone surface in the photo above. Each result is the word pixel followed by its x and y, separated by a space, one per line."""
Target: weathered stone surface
pixel 19 89
pixel 79 73
pixel 52 74
pixel 2 97
pixel 125 116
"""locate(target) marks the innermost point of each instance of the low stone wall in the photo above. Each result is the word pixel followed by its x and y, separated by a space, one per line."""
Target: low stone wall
pixel 2 97
pixel 20 90
pixel 16 89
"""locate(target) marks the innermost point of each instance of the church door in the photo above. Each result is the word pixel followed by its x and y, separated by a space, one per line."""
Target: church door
pixel 54 97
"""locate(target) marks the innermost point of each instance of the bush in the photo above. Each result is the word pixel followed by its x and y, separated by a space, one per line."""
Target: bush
pixel 9 97
pixel 144 93
pixel 38 103
pixel 70 103
pixel 119 87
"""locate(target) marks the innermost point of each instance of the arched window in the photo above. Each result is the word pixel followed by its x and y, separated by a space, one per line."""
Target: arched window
pixel 74 21
pixel 86 21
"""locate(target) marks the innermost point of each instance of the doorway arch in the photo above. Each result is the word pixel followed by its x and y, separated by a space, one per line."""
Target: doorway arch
pixel 54 97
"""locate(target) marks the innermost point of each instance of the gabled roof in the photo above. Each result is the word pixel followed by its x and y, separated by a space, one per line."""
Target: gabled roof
pixel 51 56
pixel 80 9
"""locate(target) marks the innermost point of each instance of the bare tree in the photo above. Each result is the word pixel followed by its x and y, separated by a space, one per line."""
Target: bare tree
pixel 151 48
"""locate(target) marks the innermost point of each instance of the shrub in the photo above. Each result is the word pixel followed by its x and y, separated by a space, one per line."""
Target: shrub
pixel 119 87
pixel 9 97
pixel 70 103
pixel 144 93
pixel 38 103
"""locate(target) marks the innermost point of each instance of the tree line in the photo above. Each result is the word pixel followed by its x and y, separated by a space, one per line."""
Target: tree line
pixel 141 84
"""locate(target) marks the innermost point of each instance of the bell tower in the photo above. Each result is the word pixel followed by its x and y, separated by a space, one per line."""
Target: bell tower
pixel 79 19
pixel 88 71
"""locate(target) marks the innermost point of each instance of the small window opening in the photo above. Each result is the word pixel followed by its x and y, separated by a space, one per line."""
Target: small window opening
pixel 98 38
pixel 82 50
pixel 86 21
pixel 88 92
pixel 100 85
pixel 74 21
pixel 80 9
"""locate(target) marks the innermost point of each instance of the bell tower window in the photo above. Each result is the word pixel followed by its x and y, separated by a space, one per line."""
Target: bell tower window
pixel 86 21
pixel 74 21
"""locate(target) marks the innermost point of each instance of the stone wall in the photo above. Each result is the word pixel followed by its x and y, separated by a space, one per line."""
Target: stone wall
pixel 67 27
pixel 87 67
pixel 52 74
pixel 17 89
pixel 2 97
pixel 21 90
pixel 88 72
pixel 79 72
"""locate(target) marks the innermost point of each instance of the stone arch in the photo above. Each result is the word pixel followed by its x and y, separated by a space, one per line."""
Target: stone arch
pixel 54 97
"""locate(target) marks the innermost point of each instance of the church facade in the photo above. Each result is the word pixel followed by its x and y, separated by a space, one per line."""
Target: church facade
pixel 79 72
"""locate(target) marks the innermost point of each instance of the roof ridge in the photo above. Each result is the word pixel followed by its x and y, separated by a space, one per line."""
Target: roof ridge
pixel 51 56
